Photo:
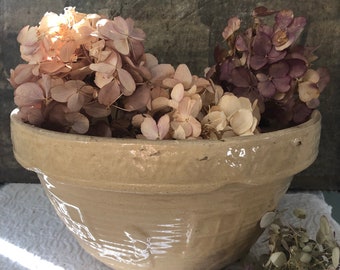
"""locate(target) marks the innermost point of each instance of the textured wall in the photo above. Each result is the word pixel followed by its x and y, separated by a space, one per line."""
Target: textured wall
pixel 186 31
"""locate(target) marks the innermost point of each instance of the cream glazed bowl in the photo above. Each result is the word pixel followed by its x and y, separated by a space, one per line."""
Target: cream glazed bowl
pixel 161 205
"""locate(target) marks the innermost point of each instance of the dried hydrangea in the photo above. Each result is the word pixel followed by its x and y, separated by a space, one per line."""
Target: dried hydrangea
pixel 88 74
pixel 231 116
pixel 291 247
pixel 264 63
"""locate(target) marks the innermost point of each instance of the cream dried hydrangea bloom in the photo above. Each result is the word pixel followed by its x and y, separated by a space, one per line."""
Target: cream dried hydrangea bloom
pixel 230 117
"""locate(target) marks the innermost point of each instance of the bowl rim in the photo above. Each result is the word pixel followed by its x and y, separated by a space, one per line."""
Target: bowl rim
pixel 38 149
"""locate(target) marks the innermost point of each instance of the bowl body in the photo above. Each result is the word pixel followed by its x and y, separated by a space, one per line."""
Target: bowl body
pixel 139 204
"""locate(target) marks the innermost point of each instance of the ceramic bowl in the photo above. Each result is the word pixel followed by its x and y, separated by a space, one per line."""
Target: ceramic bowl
pixel 161 205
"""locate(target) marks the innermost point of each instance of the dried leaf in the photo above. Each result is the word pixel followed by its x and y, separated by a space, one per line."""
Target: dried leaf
pixel 324 230
pixel 307 249
pixel 305 257
pixel 267 219
pixel 278 259
pixel 335 256
pixel 285 244
pixel 274 228
pixel 299 213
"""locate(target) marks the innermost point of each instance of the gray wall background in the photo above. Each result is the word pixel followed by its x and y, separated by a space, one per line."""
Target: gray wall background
pixel 186 32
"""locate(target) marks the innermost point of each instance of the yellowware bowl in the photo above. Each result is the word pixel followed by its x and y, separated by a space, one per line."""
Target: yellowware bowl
pixel 165 205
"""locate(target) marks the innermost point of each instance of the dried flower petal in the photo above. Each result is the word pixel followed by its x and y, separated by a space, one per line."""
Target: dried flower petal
pixel 149 128
pixel 229 104
pixel 31 114
pixel 308 91
pixel 128 83
pixel 97 110
pixel 163 126
pixel 161 71
pixel 28 94
pixel 215 120
pixel 160 103
pixel 109 93
pixel 78 122
pixel 177 93
pixel 21 74
pixel 234 24
pixel 284 18
pixel 311 76
pixel 139 99
pixel 262 45
pixel 183 75
pixel 152 130
pixel 179 133
pixel 67 51
pixel 241 121
pixel 288 29
pixel 297 68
